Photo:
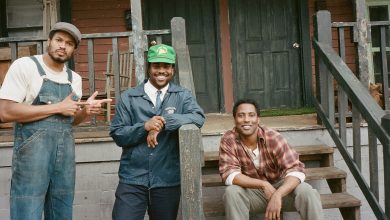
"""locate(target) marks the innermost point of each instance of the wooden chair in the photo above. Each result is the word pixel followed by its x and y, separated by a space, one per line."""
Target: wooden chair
pixel 125 75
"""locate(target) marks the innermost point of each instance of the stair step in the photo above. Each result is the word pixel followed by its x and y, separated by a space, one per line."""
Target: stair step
pixel 318 173
pixel 213 206
pixel 339 200
pixel 321 153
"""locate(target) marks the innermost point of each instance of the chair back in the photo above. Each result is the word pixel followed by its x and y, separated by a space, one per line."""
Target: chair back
pixel 125 70
pixel 125 62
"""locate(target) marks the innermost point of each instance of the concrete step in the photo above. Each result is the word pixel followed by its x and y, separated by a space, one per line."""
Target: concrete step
pixel 348 204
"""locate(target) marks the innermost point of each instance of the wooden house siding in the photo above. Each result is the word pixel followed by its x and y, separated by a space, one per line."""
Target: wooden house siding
pixel 341 11
pixel 98 16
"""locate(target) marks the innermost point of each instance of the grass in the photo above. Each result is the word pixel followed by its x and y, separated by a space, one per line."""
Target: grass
pixel 287 111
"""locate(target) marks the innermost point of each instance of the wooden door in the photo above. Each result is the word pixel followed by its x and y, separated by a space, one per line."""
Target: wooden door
pixel 201 39
pixel 266 52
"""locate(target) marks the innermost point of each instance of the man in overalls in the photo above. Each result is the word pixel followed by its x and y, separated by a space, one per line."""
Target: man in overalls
pixel 42 95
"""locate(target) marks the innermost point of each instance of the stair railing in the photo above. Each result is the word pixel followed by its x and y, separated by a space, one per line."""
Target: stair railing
pixel 330 68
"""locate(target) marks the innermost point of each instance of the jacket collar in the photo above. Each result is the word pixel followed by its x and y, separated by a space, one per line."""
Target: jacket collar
pixel 140 91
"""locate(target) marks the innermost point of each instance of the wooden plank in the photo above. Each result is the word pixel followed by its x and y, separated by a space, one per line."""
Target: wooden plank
pixel 386 165
pixel 338 200
pixel 91 73
pixel 373 165
pixel 324 80
pixel 384 70
pixel 138 40
pixel 362 48
pixel 318 173
pixel 341 95
pixel 190 172
pixel 214 205
pixel 183 57
pixel 356 141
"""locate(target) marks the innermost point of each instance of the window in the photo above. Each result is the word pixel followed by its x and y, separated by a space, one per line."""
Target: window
pixel 24 18
pixel 378 10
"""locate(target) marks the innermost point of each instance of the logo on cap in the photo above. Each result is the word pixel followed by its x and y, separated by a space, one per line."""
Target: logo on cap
pixel 162 51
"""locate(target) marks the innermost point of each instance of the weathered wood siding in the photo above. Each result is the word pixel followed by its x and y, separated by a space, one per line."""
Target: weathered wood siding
pixel 341 11
pixel 98 16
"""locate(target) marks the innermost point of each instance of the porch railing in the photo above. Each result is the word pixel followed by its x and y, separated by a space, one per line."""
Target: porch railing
pixel 189 135
pixel 330 68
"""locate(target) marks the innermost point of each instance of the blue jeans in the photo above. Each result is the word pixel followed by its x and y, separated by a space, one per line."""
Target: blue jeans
pixel 43 170
pixel 132 201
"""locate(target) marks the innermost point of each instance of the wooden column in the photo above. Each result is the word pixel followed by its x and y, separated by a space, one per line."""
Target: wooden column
pixel 184 69
pixel 138 40
pixel 191 172
pixel 362 40
pixel 324 80
pixel 49 15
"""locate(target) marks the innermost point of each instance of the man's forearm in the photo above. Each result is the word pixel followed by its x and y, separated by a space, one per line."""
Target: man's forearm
pixel 289 184
pixel 248 182
pixel 11 111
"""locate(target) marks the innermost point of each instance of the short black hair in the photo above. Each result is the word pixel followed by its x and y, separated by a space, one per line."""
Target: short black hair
pixel 246 101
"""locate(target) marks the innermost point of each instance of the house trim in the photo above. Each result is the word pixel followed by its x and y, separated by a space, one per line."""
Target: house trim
pixel 226 57
pixel 306 53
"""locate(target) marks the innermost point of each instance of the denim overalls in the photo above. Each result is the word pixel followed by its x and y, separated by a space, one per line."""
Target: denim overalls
pixel 43 163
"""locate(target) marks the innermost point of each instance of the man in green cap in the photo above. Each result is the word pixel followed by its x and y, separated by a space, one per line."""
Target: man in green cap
pixel 146 126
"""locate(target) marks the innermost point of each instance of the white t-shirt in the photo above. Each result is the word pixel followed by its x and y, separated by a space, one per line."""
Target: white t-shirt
pixel 23 82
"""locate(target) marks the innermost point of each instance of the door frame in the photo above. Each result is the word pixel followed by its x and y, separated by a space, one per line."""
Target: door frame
pixel 306 65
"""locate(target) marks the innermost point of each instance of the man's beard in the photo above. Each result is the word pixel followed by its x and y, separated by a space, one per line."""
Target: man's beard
pixel 57 59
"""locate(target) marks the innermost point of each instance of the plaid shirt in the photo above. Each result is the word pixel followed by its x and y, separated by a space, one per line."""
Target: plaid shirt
pixel 277 158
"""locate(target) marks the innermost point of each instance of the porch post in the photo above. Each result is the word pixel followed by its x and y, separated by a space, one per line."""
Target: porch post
pixel 190 141
pixel 362 40
pixel 324 80
pixel 183 56
pixel 138 40
pixel 49 15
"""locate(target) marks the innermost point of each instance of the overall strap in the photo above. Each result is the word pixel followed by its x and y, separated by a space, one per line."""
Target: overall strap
pixel 40 69
pixel 42 72
pixel 69 71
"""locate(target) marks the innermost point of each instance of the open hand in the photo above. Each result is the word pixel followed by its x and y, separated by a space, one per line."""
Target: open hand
pixel 93 106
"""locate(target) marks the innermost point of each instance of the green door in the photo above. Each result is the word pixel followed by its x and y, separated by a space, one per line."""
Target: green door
pixel 200 30
pixel 266 52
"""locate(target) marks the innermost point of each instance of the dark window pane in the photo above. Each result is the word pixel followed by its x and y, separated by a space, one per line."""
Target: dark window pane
pixel 378 64
pixel 378 13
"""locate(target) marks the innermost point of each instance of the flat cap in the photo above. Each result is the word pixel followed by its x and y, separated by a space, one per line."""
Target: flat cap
pixel 68 28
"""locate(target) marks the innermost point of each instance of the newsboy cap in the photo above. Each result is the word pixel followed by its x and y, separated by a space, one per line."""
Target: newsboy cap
pixel 68 28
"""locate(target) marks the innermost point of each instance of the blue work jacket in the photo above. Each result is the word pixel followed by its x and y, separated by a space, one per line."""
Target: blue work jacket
pixel 159 166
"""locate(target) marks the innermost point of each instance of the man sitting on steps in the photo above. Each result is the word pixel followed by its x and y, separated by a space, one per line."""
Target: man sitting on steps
pixel 262 172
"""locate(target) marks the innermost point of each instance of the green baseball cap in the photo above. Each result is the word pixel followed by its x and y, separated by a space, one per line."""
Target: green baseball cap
pixel 161 53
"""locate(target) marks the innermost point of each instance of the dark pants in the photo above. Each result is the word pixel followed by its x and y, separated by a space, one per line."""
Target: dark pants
pixel 132 201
